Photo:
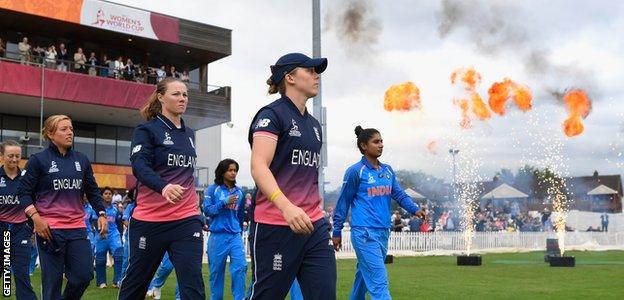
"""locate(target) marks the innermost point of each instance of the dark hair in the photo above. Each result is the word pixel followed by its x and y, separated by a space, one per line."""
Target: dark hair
pixel 364 135
pixel 222 167
pixel 281 87
pixel 106 188
pixel 153 106
pixel 6 143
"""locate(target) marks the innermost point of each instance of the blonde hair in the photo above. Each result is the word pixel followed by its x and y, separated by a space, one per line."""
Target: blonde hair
pixel 153 106
pixel 281 87
pixel 51 124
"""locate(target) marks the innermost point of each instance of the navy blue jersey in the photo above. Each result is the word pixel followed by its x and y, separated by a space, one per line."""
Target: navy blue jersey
pixel 54 184
pixel 367 192
pixel 296 161
pixel 10 210
pixel 163 154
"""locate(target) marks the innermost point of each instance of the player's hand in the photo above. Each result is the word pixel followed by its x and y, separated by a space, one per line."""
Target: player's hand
pixel 42 228
pixel 232 199
pixel 297 219
pixel 103 226
pixel 421 214
pixel 173 193
pixel 337 241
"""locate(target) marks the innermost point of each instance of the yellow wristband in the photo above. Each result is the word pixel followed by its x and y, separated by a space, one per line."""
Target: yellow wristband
pixel 275 194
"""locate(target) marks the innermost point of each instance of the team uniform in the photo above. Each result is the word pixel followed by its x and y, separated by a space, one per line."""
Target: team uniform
pixel 163 154
pixel 54 184
pixel 126 252
pixel 90 216
pixel 278 254
pixel 164 270
pixel 225 240
pixel 13 219
pixel 368 192
pixel 112 244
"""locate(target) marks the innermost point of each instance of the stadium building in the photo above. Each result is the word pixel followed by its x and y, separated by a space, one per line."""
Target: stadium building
pixel 103 96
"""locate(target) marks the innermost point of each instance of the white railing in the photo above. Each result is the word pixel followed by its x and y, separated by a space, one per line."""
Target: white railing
pixel 448 243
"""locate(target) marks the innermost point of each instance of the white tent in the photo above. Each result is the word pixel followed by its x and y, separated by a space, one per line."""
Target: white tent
pixel 602 190
pixel 414 194
pixel 504 191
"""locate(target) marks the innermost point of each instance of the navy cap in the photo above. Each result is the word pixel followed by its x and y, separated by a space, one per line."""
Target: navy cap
pixel 290 61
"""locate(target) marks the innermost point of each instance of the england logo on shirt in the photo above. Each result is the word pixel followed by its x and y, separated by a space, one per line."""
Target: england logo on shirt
pixel 53 167
pixel 294 130
pixel 78 168
pixel 167 140
pixel 318 136
pixel 2 183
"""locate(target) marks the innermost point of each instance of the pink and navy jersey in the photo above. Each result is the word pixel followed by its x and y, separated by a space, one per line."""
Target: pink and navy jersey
pixel 163 154
pixel 367 192
pixel 225 218
pixel 10 210
pixel 54 184
pixel 296 161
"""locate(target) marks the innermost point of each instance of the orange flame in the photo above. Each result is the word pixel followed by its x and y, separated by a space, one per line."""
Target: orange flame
pixel 463 104
pixel 500 92
pixel 469 76
pixel 579 106
pixel 402 97
pixel 431 146
pixel 479 108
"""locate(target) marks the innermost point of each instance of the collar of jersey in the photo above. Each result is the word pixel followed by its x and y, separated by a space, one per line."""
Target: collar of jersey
pixel 56 151
pixel 3 173
pixel 225 187
pixel 168 122
pixel 365 162
pixel 293 107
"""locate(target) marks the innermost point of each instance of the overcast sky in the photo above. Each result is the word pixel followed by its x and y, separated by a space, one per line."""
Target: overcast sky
pixel 547 45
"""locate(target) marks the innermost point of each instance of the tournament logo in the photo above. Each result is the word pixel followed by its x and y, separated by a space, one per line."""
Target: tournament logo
pixel 100 18
pixel 371 179
pixel 294 130
pixel 167 140
pixel 318 136
pixel 2 183
pixel 53 167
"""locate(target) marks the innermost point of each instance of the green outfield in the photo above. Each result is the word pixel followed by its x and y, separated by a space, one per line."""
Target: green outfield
pixel 597 275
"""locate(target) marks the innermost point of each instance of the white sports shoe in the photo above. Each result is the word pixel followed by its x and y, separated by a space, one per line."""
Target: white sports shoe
pixel 102 285
pixel 150 293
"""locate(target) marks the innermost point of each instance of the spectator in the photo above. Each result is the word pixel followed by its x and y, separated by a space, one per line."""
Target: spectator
pixel 129 70
pixel 604 218
pixel 111 68
pixel 119 67
pixel 79 61
pixel 62 58
pixel 450 224
pixel 93 62
pixel 50 55
pixel 24 51
pixel 397 222
pixel 104 67
pixel 117 198
pixel 415 223
pixel 2 48
pixel 161 73
pixel 152 77
pixel 185 76
pixel 173 73
pixel 39 55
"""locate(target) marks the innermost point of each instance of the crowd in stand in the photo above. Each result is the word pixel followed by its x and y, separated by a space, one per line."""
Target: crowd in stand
pixel 60 59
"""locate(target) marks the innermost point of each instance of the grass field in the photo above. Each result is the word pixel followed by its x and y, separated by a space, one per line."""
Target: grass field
pixel 597 275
